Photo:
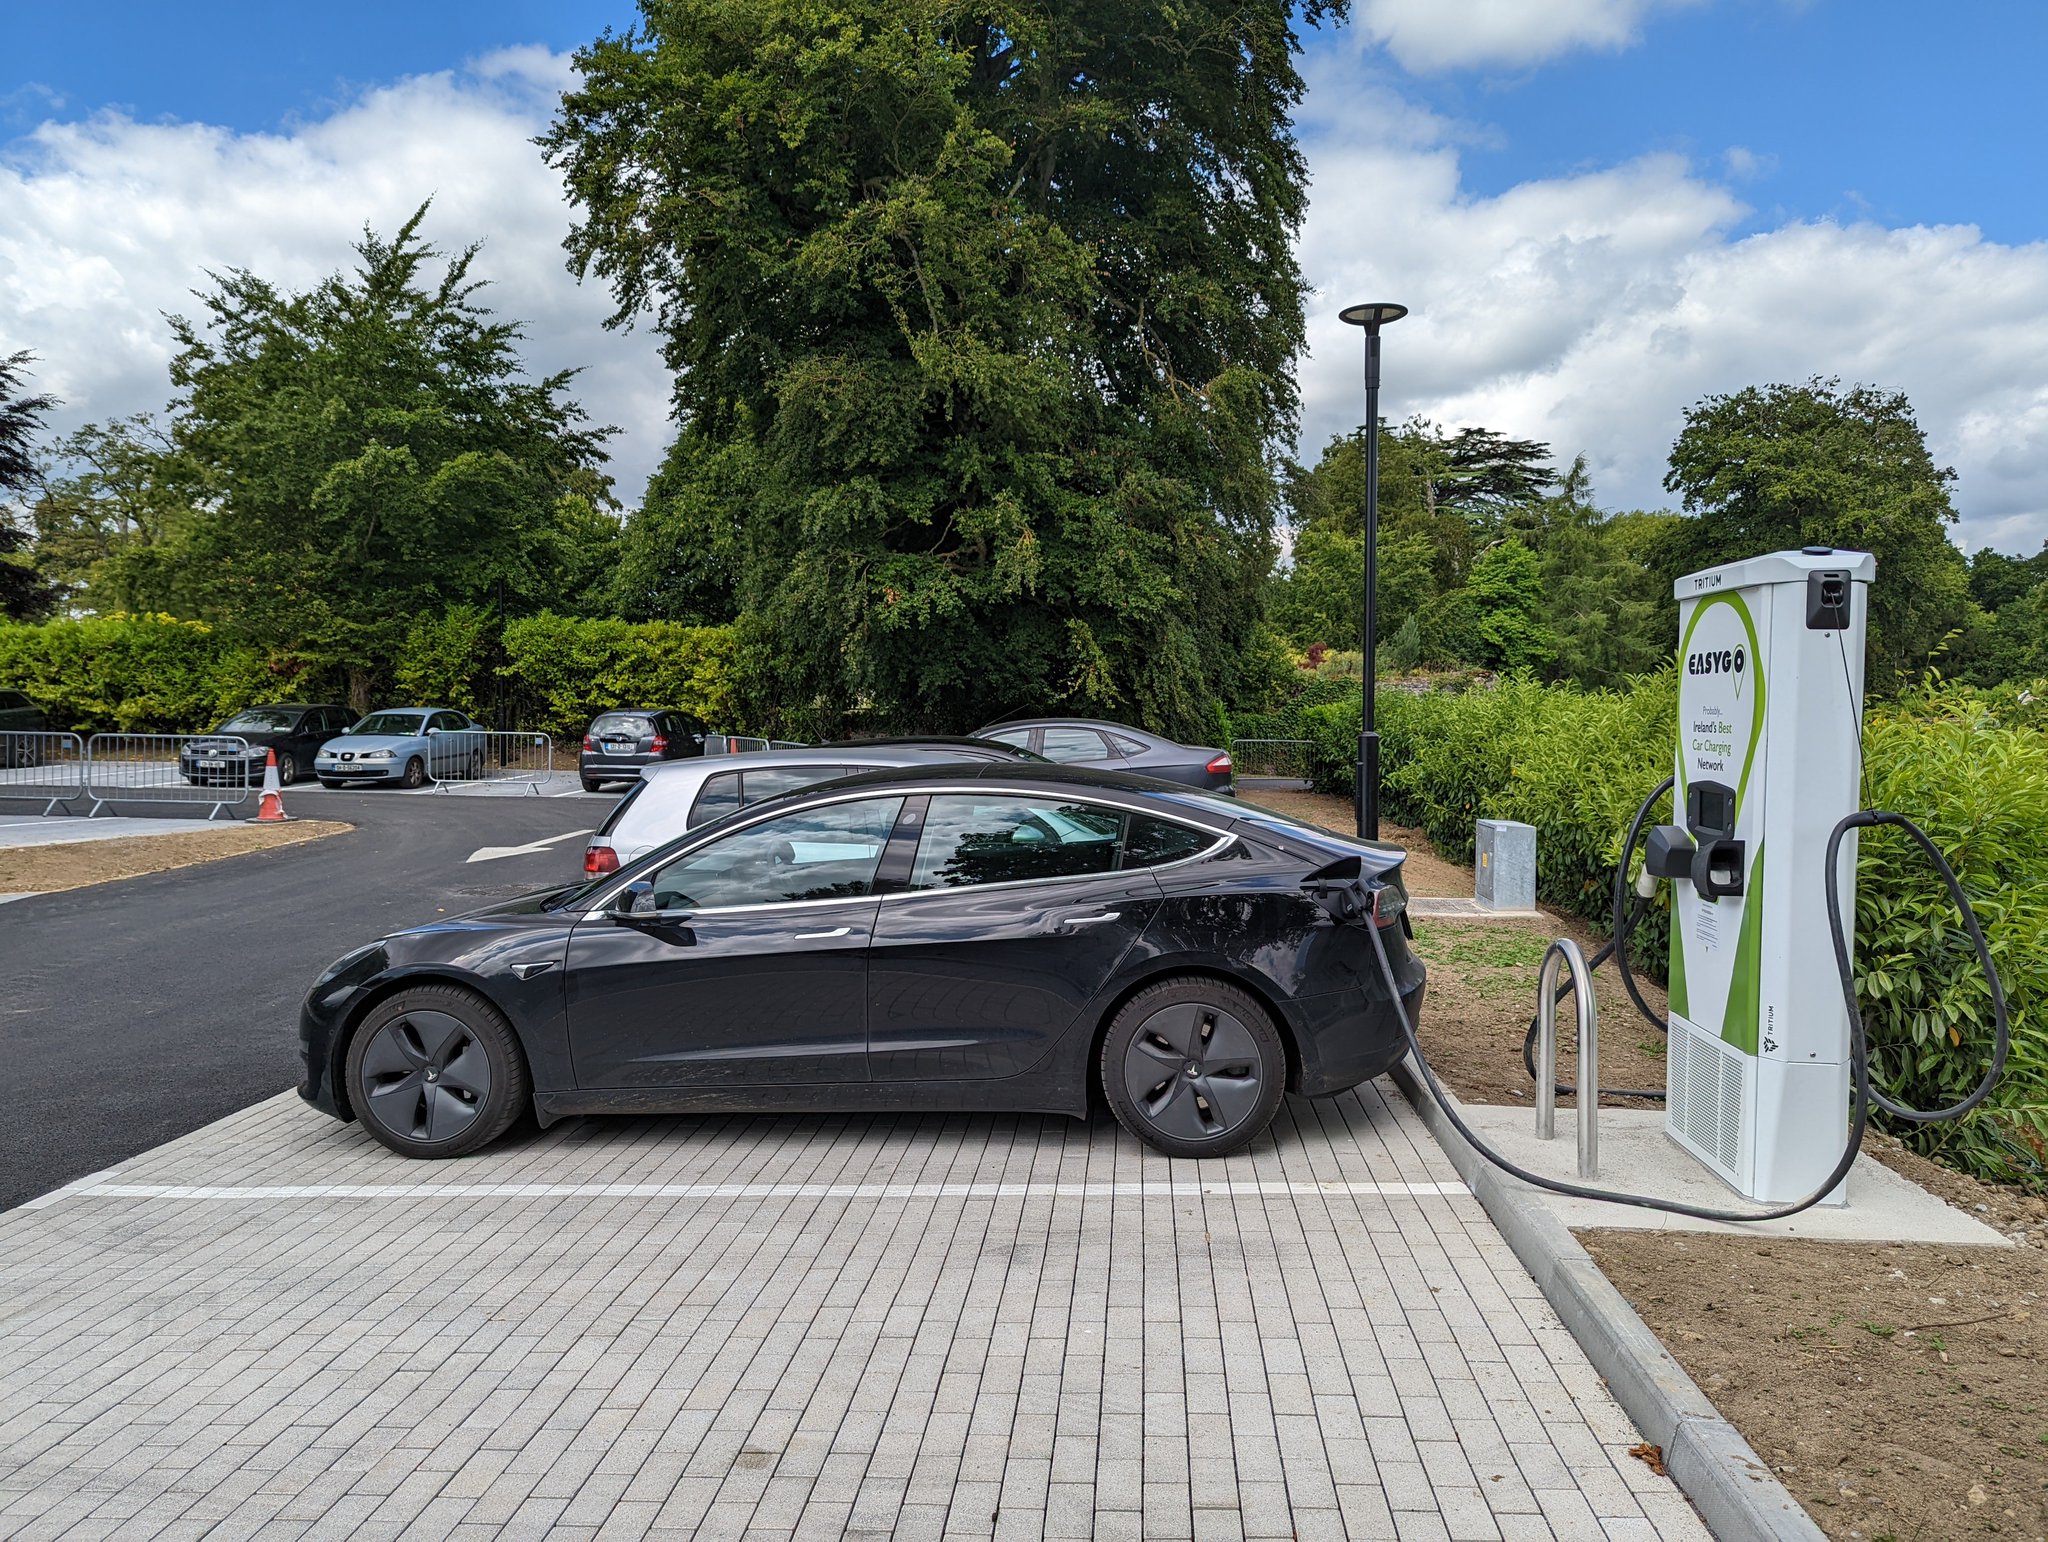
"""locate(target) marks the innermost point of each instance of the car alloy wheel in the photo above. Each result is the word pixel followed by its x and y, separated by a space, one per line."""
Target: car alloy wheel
pixel 287 768
pixel 435 1071
pixel 1194 1067
pixel 415 772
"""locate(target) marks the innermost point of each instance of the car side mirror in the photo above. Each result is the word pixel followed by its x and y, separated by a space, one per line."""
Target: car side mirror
pixel 634 902
pixel 432 731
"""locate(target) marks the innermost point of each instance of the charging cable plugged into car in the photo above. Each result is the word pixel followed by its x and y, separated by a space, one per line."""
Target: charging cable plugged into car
pixel 1766 1057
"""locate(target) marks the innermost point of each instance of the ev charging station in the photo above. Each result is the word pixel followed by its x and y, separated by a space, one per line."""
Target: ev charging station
pixel 1768 759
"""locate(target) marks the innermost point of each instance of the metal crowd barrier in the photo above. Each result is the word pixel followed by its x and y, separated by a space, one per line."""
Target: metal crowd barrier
pixel 476 757
pixel 1270 759
pixel 43 767
pixel 212 770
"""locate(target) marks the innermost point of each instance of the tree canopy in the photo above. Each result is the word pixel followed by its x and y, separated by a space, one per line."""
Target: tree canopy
pixel 366 452
pixel 24 594
pixel 981 321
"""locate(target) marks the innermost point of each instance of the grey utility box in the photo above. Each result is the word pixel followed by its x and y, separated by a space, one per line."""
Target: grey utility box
pixel 1504 865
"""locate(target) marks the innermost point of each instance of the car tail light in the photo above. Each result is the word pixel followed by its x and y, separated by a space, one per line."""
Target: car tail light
pixel 599 860
pixel 1220 766
pixel 660 745
pixel 589 745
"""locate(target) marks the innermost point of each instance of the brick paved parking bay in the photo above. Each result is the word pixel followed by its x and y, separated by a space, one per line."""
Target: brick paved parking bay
pixel 796 1327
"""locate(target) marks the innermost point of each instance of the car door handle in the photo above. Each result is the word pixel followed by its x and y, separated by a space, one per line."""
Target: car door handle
pixel 838 931
pixel 1107 915
pixel 528 970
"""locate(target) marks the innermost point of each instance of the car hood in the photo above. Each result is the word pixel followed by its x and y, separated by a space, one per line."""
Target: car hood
pixel 371 742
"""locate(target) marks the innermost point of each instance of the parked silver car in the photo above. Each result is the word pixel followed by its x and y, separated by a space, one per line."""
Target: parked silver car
pixel 676 796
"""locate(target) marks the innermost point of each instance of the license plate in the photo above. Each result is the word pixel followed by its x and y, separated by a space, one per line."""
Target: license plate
pixel 619 746
pixel 212 765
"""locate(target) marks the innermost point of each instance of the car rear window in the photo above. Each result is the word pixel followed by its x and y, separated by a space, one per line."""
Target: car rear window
pixel 621 725
pixel 1155 842
pixel 611 820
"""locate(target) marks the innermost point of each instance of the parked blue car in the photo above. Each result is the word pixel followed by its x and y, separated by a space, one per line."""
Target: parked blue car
pixel 406 745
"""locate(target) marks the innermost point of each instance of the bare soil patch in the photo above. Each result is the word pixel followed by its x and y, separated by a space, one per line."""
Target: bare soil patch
pixel 1425 872
pixel 1899 1391
pixel 75 864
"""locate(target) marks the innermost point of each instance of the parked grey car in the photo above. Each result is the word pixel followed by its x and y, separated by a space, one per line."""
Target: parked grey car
pixel 406 746
pixel 1100 746
pixel 620 744
pixel 674 798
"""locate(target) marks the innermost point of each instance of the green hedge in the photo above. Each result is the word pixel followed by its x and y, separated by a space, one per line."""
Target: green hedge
pixel 565 669
pixel 160 674
pixel 137 674
pixel 1969 767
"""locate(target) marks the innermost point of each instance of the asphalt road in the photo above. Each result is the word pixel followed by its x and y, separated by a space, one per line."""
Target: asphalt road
pixel 134 1012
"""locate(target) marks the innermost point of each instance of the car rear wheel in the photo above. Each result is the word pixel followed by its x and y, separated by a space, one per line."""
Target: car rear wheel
pixel 415 772
pixel 435 1071
pixel 1194 1067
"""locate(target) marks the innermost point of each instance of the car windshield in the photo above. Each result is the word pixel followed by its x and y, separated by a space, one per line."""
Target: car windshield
pixel 390 723
pixel 258 720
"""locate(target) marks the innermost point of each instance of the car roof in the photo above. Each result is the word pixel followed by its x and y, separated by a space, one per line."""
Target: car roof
pixel 292 706
pixel 1076 722
pixel 994 748
pixel 640 712
pixel 883 756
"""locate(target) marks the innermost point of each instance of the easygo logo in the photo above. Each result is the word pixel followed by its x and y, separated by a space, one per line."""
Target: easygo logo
pixel 1717 661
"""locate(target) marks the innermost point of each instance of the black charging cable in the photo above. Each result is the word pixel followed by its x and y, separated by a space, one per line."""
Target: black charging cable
pixel 1861 1095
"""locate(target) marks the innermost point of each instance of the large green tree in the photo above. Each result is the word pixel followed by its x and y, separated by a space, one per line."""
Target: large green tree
pixel 24 596
pixel 1771 468
pixel 982 319
pixel 109 518
pixel 368 452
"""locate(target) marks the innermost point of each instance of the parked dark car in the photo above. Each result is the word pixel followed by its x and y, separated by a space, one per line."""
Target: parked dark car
pixel 296 730
pixel 964 746
pixel 948 937
pixel 19 715
pixel 619 744
pixel 1076 741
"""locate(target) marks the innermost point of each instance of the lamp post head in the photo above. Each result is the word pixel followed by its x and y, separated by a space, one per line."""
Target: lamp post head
pixel 1372 316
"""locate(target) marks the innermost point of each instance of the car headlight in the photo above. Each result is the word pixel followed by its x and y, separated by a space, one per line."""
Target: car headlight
pixel 375 755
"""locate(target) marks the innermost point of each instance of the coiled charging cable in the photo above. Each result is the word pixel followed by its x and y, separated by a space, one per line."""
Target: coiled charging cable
pixel 1861 1093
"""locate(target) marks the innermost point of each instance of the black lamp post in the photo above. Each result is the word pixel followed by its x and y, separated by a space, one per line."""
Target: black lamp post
pixel 1372 318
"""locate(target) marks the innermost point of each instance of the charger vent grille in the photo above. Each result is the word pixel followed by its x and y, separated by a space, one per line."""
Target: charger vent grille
pixel 1706 1096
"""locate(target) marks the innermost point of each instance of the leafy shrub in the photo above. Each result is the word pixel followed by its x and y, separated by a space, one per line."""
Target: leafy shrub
pixel 139 674
pixel 446 660
pixel 565 670
pixel 1970 767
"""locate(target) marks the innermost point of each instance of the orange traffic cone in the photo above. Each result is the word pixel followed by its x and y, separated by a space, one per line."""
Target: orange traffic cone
pixel 270 808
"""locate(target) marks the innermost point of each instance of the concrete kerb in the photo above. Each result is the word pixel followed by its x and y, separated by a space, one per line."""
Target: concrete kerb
pixel 1728 1483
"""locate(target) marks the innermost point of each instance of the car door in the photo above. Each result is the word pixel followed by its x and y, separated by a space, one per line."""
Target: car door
pixel 750 967
pixel 1013 916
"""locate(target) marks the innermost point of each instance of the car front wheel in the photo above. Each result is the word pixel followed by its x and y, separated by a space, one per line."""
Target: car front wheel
pixel 436 1071
pixel 1194 1067
pixel 415 772
pixel 287 768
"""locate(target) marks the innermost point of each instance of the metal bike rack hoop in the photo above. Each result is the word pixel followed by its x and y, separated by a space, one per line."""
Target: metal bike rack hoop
pixel 1564 954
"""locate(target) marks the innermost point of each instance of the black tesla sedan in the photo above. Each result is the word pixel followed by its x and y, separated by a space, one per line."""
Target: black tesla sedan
pixel 945 937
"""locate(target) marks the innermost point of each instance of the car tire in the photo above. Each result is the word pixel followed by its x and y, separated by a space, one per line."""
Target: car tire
pixel 415 773
pixel 592 786
pixel 330 786
pixel 436 1071
pixel 287 768
pixel 1194 1067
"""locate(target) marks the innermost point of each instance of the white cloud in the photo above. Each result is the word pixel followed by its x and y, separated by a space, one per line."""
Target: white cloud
pixel 1431 35
pixel 1591 310
pixel 107 223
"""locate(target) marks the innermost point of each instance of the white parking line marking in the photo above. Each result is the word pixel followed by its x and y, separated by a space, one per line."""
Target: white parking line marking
pixel 1221 1189
pixel 531 848
pixel 75 1186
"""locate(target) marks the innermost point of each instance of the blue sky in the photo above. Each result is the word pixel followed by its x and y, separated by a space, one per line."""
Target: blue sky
pixel 1600 209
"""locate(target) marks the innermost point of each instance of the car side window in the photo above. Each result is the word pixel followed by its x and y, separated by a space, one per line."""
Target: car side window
pixel 1071 745
pixel 719 796
pixel 1154 842
pixel 1126 745
pixel 1020 737
pixel 1001 838
pixel 828 852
